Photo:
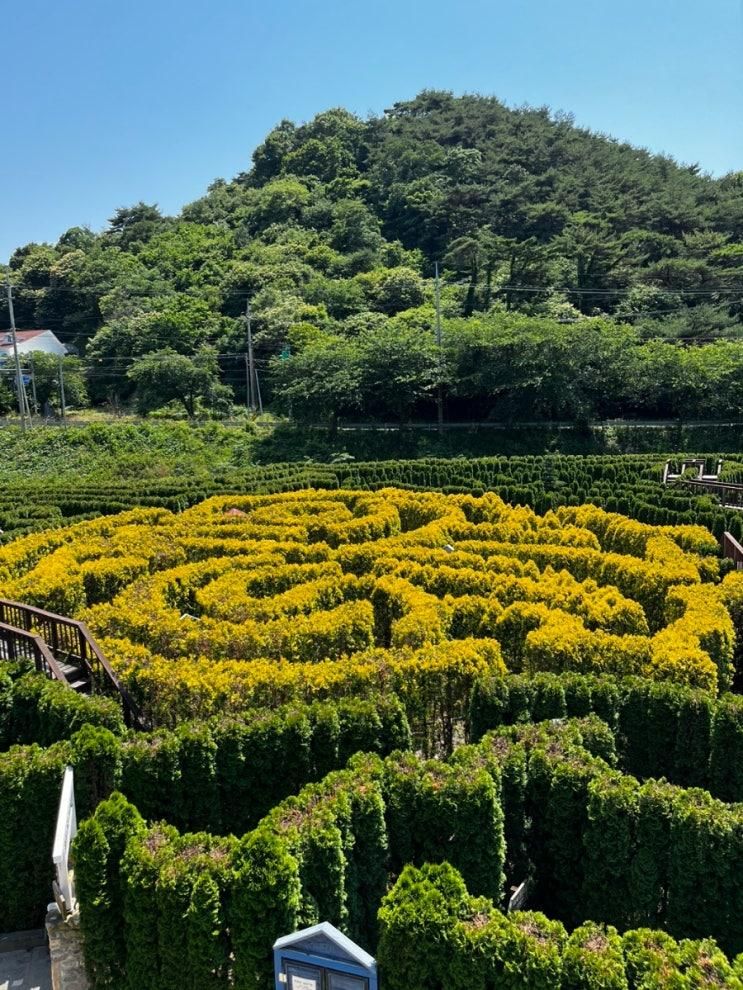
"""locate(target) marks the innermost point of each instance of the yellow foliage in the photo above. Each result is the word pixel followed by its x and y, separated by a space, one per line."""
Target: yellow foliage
pixel 256 599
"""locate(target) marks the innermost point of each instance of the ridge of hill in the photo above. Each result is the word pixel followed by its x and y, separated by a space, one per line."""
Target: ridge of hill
pixel 558 248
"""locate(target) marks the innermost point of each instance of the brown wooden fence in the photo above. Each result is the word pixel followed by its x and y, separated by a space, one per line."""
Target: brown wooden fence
pixel 732 550
pixel 51 641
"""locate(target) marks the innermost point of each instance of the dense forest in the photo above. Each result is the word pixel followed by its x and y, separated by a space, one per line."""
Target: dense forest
pixel 580 277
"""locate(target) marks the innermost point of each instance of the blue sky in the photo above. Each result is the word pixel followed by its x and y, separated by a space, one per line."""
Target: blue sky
pixel 106 102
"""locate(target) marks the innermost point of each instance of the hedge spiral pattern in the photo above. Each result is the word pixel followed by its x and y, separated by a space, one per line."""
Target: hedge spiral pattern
pixel 259 599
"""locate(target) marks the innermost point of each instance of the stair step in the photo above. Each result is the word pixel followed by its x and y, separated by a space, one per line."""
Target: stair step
pixel 69 668
pixel 81 687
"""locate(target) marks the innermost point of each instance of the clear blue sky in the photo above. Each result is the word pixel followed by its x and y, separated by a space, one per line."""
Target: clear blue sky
pixel 107 102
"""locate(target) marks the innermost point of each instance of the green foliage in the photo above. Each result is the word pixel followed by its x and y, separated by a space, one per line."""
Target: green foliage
pixel 612 811
pixel 30 783
pixel 726 762
pixel 54 476
pixel 96 758
pixel 590 836
pixel 265 905
pixel 553 305
pixel 661 729
pixel 207 945
pixel 98 850
pixel 434 934
pixel 593 958
pixel 163 376
pixel 224 775
pixel 437 813
pixel 46 373
pixel 418 928
pixel 35 709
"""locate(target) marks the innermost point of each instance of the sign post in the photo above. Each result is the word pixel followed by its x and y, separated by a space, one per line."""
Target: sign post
pixel 322 958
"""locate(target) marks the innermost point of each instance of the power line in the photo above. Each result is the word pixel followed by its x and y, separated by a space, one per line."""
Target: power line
pixel 243 293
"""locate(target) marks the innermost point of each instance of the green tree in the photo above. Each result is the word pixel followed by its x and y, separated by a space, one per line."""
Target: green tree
pixel 399 368
pixel 321 379
pixel 131 227
pixel 165 376
pixel 46 373
pixel 399 289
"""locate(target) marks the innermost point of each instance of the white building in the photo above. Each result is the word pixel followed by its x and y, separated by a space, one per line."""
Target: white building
pixel 30 341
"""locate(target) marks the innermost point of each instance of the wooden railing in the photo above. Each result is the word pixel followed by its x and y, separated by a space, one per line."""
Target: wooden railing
pixel 730 493
pixel 68 641
pixel 17 644
pixel 732 550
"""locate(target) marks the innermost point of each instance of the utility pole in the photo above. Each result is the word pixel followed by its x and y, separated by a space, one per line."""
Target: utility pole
pixel 247 384
pixel 250 359
pixel 258 392
pixel 33 385
pixel 440 389
pixel 61 390
pixel 14 340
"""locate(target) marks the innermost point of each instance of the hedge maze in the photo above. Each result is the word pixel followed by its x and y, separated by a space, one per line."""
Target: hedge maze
pixel 387 707
pixel 629 484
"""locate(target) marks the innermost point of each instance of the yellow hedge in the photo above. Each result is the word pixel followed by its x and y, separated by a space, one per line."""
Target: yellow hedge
pixel 248 599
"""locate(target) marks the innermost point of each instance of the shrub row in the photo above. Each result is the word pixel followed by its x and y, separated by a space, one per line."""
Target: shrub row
pixel 661 729
pixel 629 484
pixel 433 933
pixel 324 854
pixel 599 844
pixel 224 775
pixel 310 576
pixel 595 843
pixel 34 709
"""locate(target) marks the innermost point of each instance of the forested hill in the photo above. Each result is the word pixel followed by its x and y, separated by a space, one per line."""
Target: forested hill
pixel 557 247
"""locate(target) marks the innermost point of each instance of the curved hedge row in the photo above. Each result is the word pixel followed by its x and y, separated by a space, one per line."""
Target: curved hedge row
pixel 250 600
pixel 433 932
pixel 662 730
pixel 628 484
pixel 223 775
pixel 329 852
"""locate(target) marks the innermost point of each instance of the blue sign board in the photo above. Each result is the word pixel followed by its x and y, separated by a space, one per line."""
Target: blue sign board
pixel 322 958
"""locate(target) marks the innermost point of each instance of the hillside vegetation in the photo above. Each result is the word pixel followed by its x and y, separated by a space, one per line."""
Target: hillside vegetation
pixel 581 277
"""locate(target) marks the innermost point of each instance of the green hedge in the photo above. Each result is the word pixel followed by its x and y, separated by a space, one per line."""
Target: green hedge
pixel 598 843
pixel 594 841
pixel 34 709
pixel 624 483
pixel 30 785
pixel 433 933
pixel 661 729
pixel 322 855
pixel 224 775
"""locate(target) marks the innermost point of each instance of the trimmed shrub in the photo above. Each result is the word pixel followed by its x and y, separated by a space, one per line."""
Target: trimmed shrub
pixel 661 729
pixel 34 709
pixel 225 776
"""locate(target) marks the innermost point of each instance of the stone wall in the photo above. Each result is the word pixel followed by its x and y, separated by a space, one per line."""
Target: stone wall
pixel 65 951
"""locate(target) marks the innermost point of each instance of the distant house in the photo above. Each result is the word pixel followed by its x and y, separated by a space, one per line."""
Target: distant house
pixel 30 341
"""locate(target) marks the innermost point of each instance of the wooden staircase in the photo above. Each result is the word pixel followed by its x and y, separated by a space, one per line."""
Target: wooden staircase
pixel 64 650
